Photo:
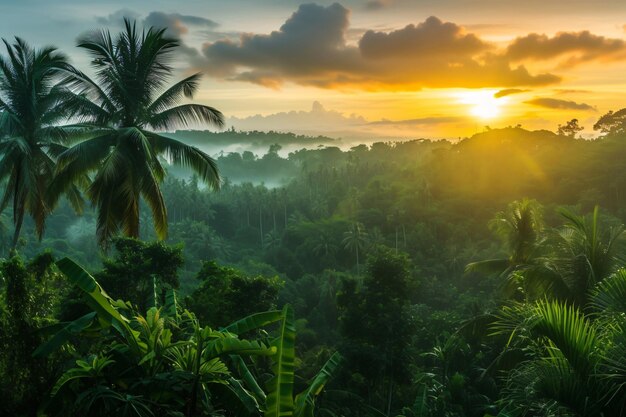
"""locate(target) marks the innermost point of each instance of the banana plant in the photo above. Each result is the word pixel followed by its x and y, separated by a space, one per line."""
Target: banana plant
pixel 280 400
pixel 105 311
pixel 167 358
pixel 305 401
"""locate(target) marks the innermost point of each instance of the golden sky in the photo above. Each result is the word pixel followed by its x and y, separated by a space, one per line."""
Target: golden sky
pixel 387 68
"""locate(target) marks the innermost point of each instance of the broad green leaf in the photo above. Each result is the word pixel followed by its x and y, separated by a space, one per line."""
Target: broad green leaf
pixel 246 398
pixel 98 300
pixel 248 379
pixel 280 386
pixel 170 309
pixel 305 401
pixel 232 345
pixel 84 370
pixel 254 321
pixel 61 337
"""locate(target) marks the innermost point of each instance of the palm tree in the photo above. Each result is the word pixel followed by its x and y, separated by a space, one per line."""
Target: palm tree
pixel 523 270
pixel 355 239
pixel 29 136
pixel 123 105
pixel 272 240
pixel 586 252
pixel 574 361
pixel 324 244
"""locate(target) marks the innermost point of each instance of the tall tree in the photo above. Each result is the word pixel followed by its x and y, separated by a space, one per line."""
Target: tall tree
pixel 570 129
pixel 376 326
pixel 587 251
pixel 123 105
pixel 355 239
pixel 612 122
pixel 523 270
pixel 30 137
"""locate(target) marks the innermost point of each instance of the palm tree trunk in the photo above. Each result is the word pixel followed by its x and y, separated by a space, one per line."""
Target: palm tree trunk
pixel 396 240
pixel 191 407
pixel 357 261
pixel 261 225
pixel 404 236
pixel 390 397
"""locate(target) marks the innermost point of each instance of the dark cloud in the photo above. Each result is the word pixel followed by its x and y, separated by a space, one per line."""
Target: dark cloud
pixel 176 23
pixel 430 39
pixel 117 17
pixel 553 103
pixel 576 47
pixel 508 92
pixel 310 48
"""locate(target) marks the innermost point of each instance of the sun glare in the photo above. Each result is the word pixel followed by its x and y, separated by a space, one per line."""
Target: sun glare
pixel 482 104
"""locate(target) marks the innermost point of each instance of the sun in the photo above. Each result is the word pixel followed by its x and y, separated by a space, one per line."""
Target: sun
pixel 482 104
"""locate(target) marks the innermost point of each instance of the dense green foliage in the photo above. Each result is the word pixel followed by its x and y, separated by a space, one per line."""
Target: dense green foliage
pixel 480 278
pixel 421 333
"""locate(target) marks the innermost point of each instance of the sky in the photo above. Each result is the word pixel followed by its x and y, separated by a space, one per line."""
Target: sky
pixel 373 68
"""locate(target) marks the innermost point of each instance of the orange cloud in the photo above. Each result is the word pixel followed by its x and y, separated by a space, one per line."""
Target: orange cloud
pixel 508 92
pixel 576 47
pixel 310 48
pixel 554 103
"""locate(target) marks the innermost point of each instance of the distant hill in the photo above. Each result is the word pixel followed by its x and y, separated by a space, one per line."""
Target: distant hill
pixel 254 141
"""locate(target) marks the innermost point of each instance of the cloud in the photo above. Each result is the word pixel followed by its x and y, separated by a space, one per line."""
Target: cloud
pixel 509 91
pixel 177 24
pixel 117 17
pixel 553 103
pixel 318 119
pixel 435 120
pixel 431 38
pixel 571 91
pixel 310 48
pixel 576 47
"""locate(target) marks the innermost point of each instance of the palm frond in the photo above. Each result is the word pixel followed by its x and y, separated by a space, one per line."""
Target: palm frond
pixel 186 115
pixel 172 96
pixel 185 155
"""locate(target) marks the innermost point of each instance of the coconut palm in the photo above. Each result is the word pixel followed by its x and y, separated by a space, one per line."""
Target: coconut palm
pixel 525 271
pixel 124 105
pixel 272 240
pixel 586 252
pixel 355 239
pixel 29 135
pixel 574 361
pixel 324 244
